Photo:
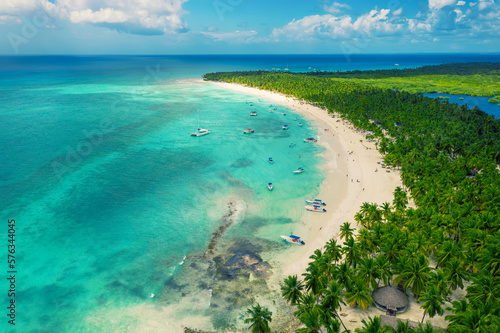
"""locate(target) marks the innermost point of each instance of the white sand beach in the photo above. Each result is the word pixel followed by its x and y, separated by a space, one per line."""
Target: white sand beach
pixel 353 177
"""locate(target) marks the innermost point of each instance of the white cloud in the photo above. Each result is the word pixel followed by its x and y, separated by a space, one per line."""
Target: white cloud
pixel 336 8
pixel 376 22
pixel 485 4
pixel 236 36
pixel 107 15
pixel 397 12
pixel 438 4
pixel 162 16
pixel 460 3
pixel 8 19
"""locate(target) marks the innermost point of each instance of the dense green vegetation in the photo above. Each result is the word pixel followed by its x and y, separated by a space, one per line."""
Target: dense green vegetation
pixel 448 157
pixel 493 100
pixel 475 79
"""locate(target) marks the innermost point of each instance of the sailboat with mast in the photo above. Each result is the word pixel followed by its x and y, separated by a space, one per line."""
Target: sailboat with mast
pixel 200 131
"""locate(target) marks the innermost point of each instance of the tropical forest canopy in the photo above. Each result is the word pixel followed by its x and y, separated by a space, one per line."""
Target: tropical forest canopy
pixel 448 156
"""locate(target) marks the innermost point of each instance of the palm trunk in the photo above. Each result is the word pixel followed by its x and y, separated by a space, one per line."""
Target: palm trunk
pixel 423 318
pixel 345 328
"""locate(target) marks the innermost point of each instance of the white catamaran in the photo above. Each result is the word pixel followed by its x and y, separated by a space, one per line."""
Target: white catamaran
pixel 200 131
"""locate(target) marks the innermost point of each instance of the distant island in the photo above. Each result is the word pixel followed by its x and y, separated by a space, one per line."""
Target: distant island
pixel 439 239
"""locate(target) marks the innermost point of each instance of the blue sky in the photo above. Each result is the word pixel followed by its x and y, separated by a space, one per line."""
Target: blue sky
pixel 248 26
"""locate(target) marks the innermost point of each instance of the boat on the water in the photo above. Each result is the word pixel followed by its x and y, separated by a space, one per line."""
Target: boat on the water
pixel 296 119
pixel 275 108
pixel 285 127
pixel 270 160
pixel 253 113
pixel 270 110
pixel 300 124
pixel 293 239
pixel 316 208
pixel 310 140
pixel 315 202
pixel 200 131
pixel 270 186
pixel 248 131
pixel 299 170
pixel 292 145
pixel 283 113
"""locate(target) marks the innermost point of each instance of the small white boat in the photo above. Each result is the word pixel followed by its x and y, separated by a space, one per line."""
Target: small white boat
pixel 299 170
pixel 292 145
pixel 248 131
pixel 251 104
pixel 296 119
pixel 300 124
pixel 253 113
pixel 283 113
pixel 310 140
pixel 293 239
pixel 270 110
pixel 285 127
pixel 316 208
pixel 270 160
pixel 201 132
pixel 315 202
pixel 270 186
pixel 275 108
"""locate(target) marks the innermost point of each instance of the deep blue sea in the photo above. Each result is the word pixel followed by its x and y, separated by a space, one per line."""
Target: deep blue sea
pixel 114 201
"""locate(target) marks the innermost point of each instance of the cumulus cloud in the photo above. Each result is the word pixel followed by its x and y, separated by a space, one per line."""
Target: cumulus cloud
pixel 162 16
pixel 438 4
pixel 376 22
pixel 336 8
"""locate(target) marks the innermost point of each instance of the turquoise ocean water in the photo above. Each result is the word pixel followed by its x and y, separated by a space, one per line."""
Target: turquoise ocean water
pixel 114 201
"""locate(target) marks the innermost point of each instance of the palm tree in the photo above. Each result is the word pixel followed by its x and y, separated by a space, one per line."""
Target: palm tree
pixel 358 295
pixel 259 320
pixel 432 302
pixel 427 328
pixel 484 289
pixel 438 279
pixel 332 299
pixel 373 325
pixel 404 327
pixel 312 320
pixel 346 231
pixel 416 274
pixel 333 250
pixel 292 290
pixel 314 282
pixel 479 318
pixel 365 239
pixel 344 275
pixel 306 303
pixel 386 210
pixel 384 269
pixel 369 272
pixel 351 251
pixel 455 273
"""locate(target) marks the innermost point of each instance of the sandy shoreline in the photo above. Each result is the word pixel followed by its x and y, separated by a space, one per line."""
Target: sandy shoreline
pixel 351 180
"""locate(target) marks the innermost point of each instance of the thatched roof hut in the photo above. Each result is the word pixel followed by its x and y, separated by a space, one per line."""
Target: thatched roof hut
pixel 390 298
